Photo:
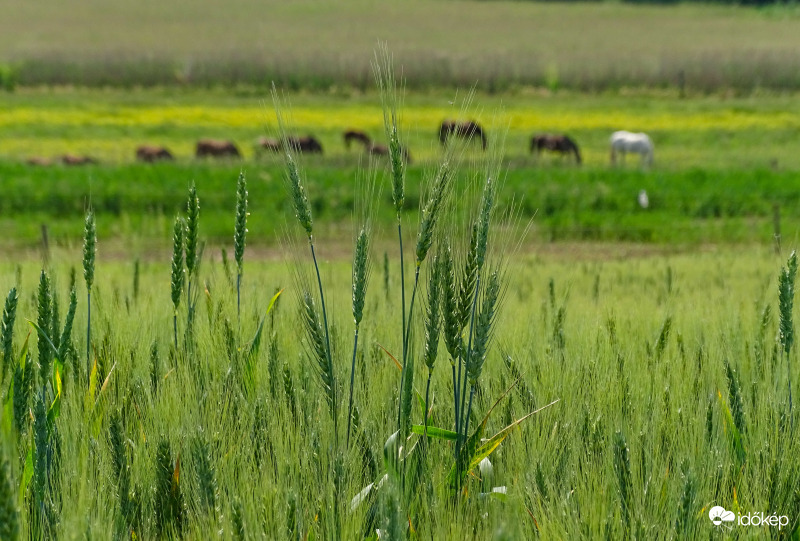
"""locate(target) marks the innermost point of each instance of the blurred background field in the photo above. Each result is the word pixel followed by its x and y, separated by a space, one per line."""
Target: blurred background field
pixel 715 86
pixel 322 45
pixel 721 164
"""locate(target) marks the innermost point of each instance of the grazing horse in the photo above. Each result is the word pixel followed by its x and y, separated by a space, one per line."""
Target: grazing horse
pixel 151 153
pixel 356 135
pixel 39 161
pixel 625 141
pixel 555 143
pixel 72 159
pixel 377 149
pixel 216 149
pixel 267 144
pixel 305 144
pixel 465 130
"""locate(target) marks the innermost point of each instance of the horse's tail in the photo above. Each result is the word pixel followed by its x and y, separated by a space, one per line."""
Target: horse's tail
pixel 483 139
pixel 577 153
pixel 347 140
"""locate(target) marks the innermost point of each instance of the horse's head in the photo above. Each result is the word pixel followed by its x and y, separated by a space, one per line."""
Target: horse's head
pixel 445 129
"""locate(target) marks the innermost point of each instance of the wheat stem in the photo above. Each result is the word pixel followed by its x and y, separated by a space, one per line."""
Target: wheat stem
pixel 403 312
pixel 352 382
pixel 467 358
pixel 327 337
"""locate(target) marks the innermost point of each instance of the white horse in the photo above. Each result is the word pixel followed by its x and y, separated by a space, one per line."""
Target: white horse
pixel 625 141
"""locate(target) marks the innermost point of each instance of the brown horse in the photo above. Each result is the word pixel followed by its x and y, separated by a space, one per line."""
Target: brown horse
pixel 39 161
pixel 152 153
pixel 216 149
pixel 356 135
pixel 267 144
pixel 465 130
pixel 72 159
pixel 555 143
pixel 305 144
pixel 377 149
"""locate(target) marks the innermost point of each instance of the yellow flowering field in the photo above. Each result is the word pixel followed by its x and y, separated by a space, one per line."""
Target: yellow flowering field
pixel 697 131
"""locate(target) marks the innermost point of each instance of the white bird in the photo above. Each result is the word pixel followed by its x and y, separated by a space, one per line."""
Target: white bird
pixel 644 201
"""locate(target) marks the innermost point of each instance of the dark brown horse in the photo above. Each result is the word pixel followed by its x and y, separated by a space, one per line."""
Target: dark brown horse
pixel 465 130
pixel 356 135
pixel 216 149
pixel 555 143
pixel 152 153
pixel 72 159
pixel 267 144
pixel 305 144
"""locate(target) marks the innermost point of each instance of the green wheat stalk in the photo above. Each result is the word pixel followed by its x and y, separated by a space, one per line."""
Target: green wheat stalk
pixel 44 321
pixel 40 456
pixel 432 327
pixel 54 327
pixel 89 255
pixel 7 331
pixel 239 234
pixel 319 354
pixel 66 333
pixel 451 322
pixel 192 250
pixel 9 515
pixel 178 272
pixel 465 293
pixel 483 332
pixel 735 395
pixel 786 281
pixel 23 385
pixel 361 271
pixel 475 262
